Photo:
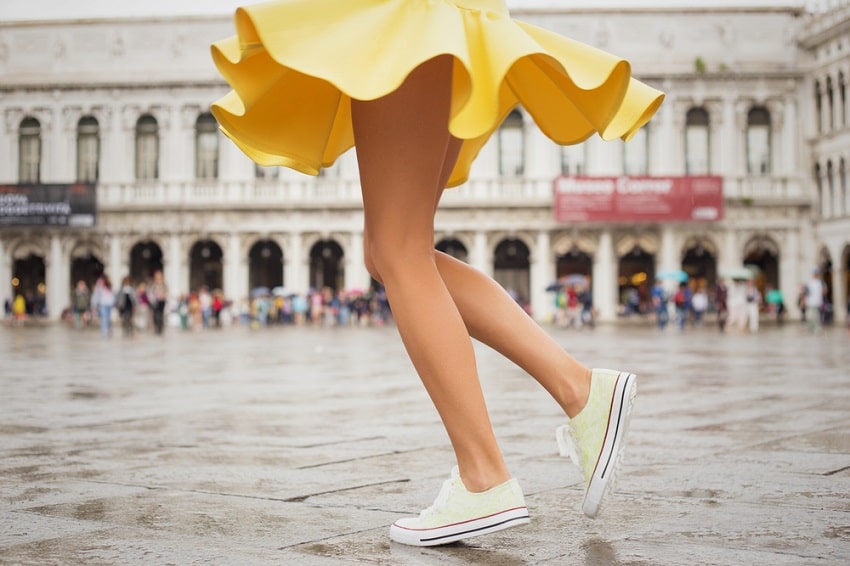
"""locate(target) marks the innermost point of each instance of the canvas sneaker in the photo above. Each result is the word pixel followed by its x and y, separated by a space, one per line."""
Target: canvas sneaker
pixel 458 514
pixel 594 439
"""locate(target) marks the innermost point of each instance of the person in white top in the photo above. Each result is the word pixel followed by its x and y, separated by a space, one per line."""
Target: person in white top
pixel 814 300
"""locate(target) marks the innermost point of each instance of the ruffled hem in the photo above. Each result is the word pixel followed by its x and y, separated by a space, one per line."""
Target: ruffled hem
pixel 295 65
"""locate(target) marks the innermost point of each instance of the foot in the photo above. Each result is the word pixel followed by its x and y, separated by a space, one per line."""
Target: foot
pixel 459 514
pixel 594 439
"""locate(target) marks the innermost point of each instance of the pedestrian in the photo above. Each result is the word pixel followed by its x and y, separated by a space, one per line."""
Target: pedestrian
pixel 699 304
pixel 775 303
pixel 206 303
pixel 815 292
pixel 158 298
pixel 682 299
pixel 81 304
pixel 126 302
pixel 737 303
pixel 721 293
pixel 585 297
pixel 19 309
pixel 103 300
pixel 754 302
pixel 659 305
pixel 418 87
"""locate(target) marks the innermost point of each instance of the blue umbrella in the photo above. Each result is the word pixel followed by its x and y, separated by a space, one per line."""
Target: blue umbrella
pixel 260 292
pixel 673 275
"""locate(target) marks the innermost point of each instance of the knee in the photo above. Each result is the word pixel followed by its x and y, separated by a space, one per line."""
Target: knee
pixel 388 259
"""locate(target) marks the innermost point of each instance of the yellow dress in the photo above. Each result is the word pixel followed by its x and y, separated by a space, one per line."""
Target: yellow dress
pixel 295 65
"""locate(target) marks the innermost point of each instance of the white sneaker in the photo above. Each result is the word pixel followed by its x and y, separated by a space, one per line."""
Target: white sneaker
pixel 458 514
pixel 594 439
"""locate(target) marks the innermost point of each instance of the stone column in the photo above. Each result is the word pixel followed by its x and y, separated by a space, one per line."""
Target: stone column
pixel 789 156
pixel 65 160
pixel 51 146
pixel 175 270
pixel 355 266
pixel 58 279
pixel 297 276
pixel 730 256
pixel 604 280
pixel 730 147
pixel 778 124
pixel 716 141
pixel 235 272
pixel 663 160
pixel 839 287
pixel 789 273
pixel 117 269
pixel 668 259
pixel 5 274
pixel 480 259
pixel 9 145
pixel 110 159
pixel 542 273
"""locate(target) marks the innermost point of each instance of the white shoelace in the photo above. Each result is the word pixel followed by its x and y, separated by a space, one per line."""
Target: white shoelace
pixel 442 498
pixel 566 446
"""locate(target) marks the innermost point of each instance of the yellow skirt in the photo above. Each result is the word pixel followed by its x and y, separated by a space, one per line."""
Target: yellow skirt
pixel 295 65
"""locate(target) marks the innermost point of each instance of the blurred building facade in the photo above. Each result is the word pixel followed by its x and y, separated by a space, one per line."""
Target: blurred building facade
pixel 755 96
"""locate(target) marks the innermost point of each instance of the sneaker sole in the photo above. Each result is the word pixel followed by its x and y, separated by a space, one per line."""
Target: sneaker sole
pixel 608 466
pixel 460 531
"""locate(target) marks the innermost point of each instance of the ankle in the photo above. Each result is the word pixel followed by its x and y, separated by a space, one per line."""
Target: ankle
pixel 478 479
pixel 575 392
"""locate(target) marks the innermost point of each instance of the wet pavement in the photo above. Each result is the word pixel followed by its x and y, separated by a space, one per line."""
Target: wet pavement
pixel 301 446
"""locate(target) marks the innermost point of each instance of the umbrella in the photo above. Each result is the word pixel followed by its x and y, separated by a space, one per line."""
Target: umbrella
pixel 672 274
pixel 774 297
pixel 740 273
pixel 260 292
pixel 575 279
pixel 281 291
pixel 556 286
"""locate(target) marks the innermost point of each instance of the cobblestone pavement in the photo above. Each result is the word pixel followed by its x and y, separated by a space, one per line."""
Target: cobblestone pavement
pixel 301 446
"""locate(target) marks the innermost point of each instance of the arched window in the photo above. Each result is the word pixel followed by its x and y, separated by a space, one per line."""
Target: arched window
pixel 697 147
pixel 88 149
pixel 206 147
pixel 842 181
pixel 758 141
pixel 266 173
pixel 147 148
pixel 636 153
pixel 830 102
pixel 819 106
pixel 823 199
pixel 574 159
pixel 842 98
pixel 512 146
pixel 29 151
pixel 830 183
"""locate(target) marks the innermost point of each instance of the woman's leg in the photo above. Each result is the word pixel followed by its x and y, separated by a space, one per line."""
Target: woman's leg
pixel 402 141
pixel 495 319
pixel 492 317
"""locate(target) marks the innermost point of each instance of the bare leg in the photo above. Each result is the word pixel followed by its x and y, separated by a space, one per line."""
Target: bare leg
pixel 494 318
pixel 402 141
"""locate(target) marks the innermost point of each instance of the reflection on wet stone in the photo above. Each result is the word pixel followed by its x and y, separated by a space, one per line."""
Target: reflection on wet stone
pixel 180 451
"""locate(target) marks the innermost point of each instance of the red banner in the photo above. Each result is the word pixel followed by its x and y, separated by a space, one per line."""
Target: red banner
pixel 638 199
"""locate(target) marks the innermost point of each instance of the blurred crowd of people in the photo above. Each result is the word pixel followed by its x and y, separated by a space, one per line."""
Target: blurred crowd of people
pixel 736 305
pixel 147 306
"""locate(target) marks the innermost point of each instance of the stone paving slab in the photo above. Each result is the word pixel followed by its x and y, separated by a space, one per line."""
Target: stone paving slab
pixel 301 446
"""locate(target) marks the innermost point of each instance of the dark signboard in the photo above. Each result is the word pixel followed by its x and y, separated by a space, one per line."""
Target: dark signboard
pixel 48 205
pixel 638 199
